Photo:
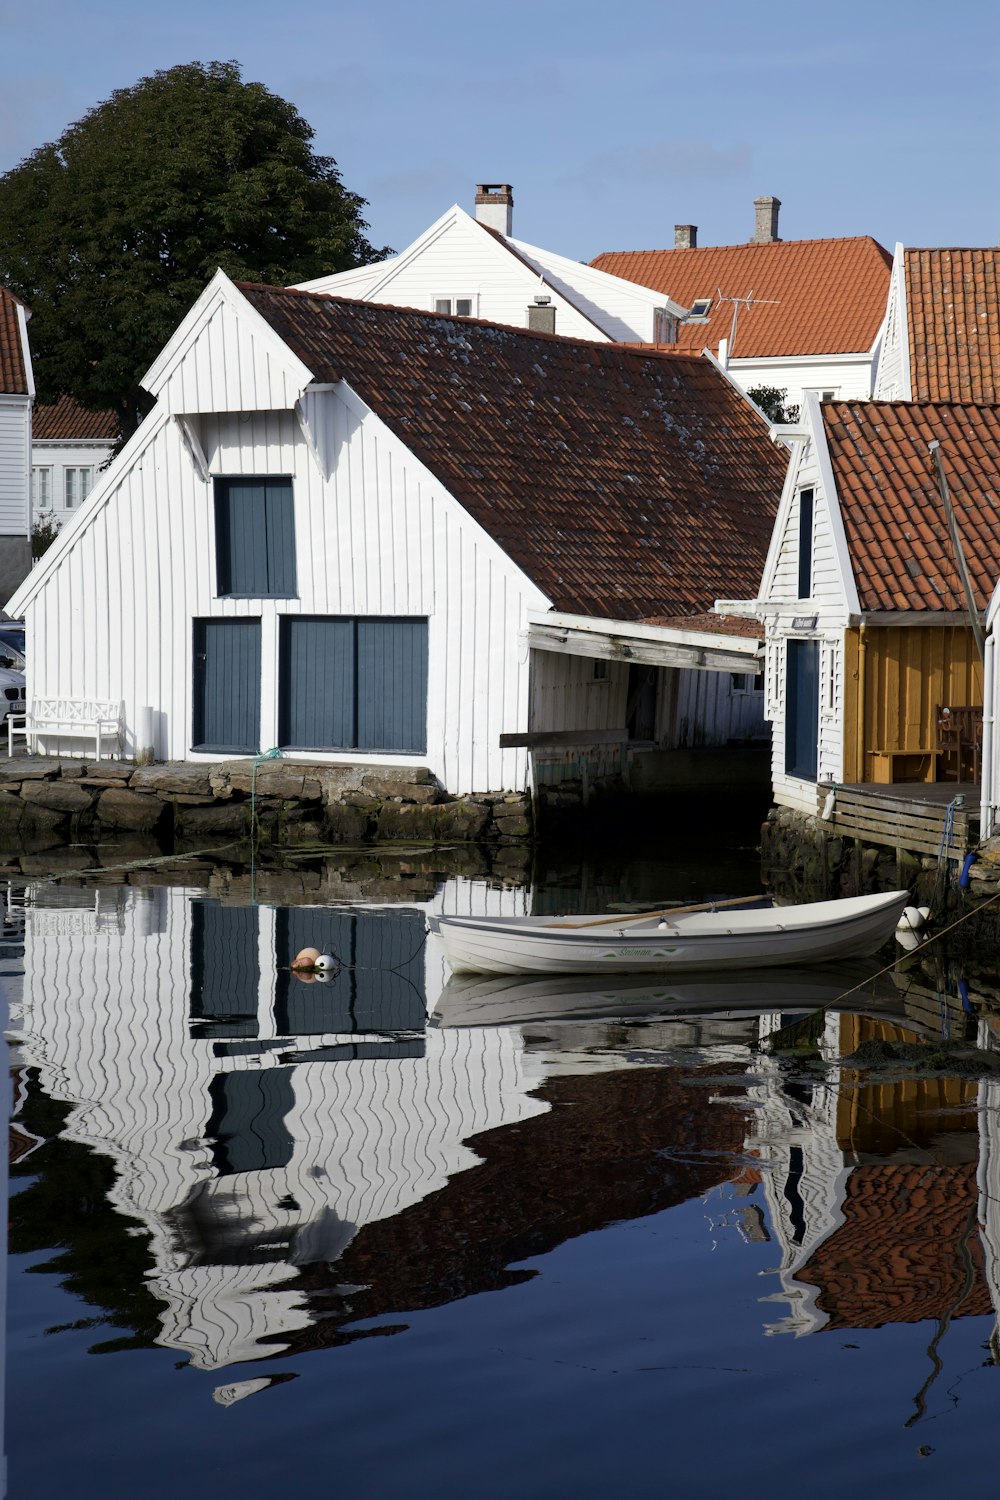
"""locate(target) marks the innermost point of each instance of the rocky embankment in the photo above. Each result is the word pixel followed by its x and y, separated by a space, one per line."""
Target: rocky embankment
pixel 45 801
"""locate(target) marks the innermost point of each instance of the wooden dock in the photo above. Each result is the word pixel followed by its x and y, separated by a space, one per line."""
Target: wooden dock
pixel 920 817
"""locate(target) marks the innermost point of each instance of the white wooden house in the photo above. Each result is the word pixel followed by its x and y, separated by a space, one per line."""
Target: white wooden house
pixel 473 267
pixel 868 625
pixel 69 448
pixel 942 327
pixel 371 535
pixel 17 391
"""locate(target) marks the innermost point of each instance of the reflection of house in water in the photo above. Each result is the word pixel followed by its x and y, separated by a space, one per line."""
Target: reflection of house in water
pixel 262 1128
pixel 883 1194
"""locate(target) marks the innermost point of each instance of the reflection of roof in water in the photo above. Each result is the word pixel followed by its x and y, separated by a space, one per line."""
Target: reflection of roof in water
pixel 614 1145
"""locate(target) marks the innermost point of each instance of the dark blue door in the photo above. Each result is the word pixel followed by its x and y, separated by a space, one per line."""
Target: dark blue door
pixel 802 710
pixel 317 676
pixel 226 685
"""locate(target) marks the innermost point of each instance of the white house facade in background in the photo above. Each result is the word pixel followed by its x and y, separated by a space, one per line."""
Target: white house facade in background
pixel 472 267
pixel 69 448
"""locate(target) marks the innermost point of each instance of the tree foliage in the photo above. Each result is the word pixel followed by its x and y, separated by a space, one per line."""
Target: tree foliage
pixel 773 402
pixel 111 232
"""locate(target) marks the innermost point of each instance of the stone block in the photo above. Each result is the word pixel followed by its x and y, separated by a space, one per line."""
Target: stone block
pixel 514 825
pixel 378 782
pixel 173 780
pixel 231 818
pixel 346 825
pixel 275 778
pixel 118 807
pixel 405 791
pixel 436 823
pixel 62 796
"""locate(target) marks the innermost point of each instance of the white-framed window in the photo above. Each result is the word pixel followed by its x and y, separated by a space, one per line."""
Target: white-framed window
pixel 459 307
pixel 77 484
pixel 41 487
pixel 700 309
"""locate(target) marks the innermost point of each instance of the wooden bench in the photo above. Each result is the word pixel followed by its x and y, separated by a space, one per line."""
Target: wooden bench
pixel 93 718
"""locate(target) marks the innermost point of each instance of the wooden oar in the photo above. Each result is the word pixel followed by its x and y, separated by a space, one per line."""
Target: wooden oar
pixel 668 911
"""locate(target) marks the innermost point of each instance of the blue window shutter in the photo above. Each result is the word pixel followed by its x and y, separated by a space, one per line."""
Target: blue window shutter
pixel 227 685
pixel 317 683
pixel 392 685
pixel 255 538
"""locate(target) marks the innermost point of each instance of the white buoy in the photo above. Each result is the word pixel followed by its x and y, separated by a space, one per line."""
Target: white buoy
pixel 911 920
pixel 325 962
pixel 907 939
pixel 925 912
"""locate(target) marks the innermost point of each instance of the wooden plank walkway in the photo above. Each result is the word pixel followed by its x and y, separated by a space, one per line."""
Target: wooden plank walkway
pixel 907 815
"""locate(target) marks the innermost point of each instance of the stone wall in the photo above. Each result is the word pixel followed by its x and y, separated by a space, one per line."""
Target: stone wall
pixel 46 801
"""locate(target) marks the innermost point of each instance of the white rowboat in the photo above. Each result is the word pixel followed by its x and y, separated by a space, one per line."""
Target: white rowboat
pixel 649 944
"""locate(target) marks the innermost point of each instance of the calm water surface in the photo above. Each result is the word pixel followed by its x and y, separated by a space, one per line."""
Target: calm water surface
pixel 395 1235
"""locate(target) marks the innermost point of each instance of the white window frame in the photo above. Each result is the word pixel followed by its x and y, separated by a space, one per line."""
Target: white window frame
pixel 85 484
pixel 453 299
pixel 700 309
pixel 38 503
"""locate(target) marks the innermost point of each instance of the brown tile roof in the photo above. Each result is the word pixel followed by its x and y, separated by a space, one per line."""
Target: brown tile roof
pixel 625 484
pixel 815 296
pixel 13 371
pixel 953 318
pixel 712 624
pixel 66 420
pixel 896 531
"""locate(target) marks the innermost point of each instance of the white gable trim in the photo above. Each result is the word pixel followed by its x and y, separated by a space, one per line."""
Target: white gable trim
pixel 22 328
pixel 814 417
pixel 82 518
pixel 571 278
pixel 903 325
pixel 221 292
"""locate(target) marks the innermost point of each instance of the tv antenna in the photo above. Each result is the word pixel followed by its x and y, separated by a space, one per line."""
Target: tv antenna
pixel 748 301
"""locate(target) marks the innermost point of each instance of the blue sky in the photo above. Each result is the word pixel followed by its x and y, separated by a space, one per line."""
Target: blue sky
pixel 611 121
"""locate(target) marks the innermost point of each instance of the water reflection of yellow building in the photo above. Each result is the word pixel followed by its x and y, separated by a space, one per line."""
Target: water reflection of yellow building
pixel 883 1192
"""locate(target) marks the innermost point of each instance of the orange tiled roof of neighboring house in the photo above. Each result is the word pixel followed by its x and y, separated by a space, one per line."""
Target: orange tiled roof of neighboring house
pixel 809 296
pixel 625 484
pixel 953 320
pixel 897 536
pixel 13 370
pixel 66 420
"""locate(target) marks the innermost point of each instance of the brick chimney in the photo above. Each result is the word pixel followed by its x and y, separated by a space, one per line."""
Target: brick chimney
pixel 685 236
pixel 495 205
pixel 765 229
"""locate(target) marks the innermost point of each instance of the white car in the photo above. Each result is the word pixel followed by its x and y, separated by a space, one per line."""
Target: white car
pixel 12 686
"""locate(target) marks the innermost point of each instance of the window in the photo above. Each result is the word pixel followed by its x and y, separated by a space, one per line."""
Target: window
pixel 77 485
pixel 746 682
pixel 351 683
pixel 700 309
pixel 255 538
pixel 41 488
pixel 805 543
pixel 461 307
pixel 600 670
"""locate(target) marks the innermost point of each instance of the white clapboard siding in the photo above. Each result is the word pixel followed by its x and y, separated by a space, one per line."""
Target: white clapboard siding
pixel 15 465
pixel 697 710
pixel 850 377
pixel 566 695
pixel 378 537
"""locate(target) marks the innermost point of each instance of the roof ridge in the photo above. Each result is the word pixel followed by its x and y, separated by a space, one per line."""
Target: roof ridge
pixel 832 239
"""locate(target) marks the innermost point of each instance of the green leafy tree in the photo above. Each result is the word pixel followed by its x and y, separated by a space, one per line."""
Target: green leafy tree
pixel 773 402
pixel 111 232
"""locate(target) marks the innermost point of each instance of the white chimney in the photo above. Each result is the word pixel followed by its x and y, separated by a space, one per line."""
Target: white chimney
pixel 685 236
pixel 495 205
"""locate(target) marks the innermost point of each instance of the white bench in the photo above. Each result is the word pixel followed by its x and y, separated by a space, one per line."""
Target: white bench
pixel 91 717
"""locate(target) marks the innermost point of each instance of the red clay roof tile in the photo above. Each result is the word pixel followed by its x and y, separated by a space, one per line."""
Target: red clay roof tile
pixel 809 296
pixel 893 514
pixel 953 320
pixel 625 484
pixel 13 370
pixel 65 420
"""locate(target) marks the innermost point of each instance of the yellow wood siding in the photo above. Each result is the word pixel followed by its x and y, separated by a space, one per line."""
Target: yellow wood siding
pixel 904 675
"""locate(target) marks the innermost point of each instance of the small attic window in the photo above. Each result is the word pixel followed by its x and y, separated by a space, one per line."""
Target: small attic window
pixel 700 308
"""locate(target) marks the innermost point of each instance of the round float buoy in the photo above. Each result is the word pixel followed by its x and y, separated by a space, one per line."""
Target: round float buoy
pixel 907 939
pixel 326 963
pixel 911 920
pixel 306 959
